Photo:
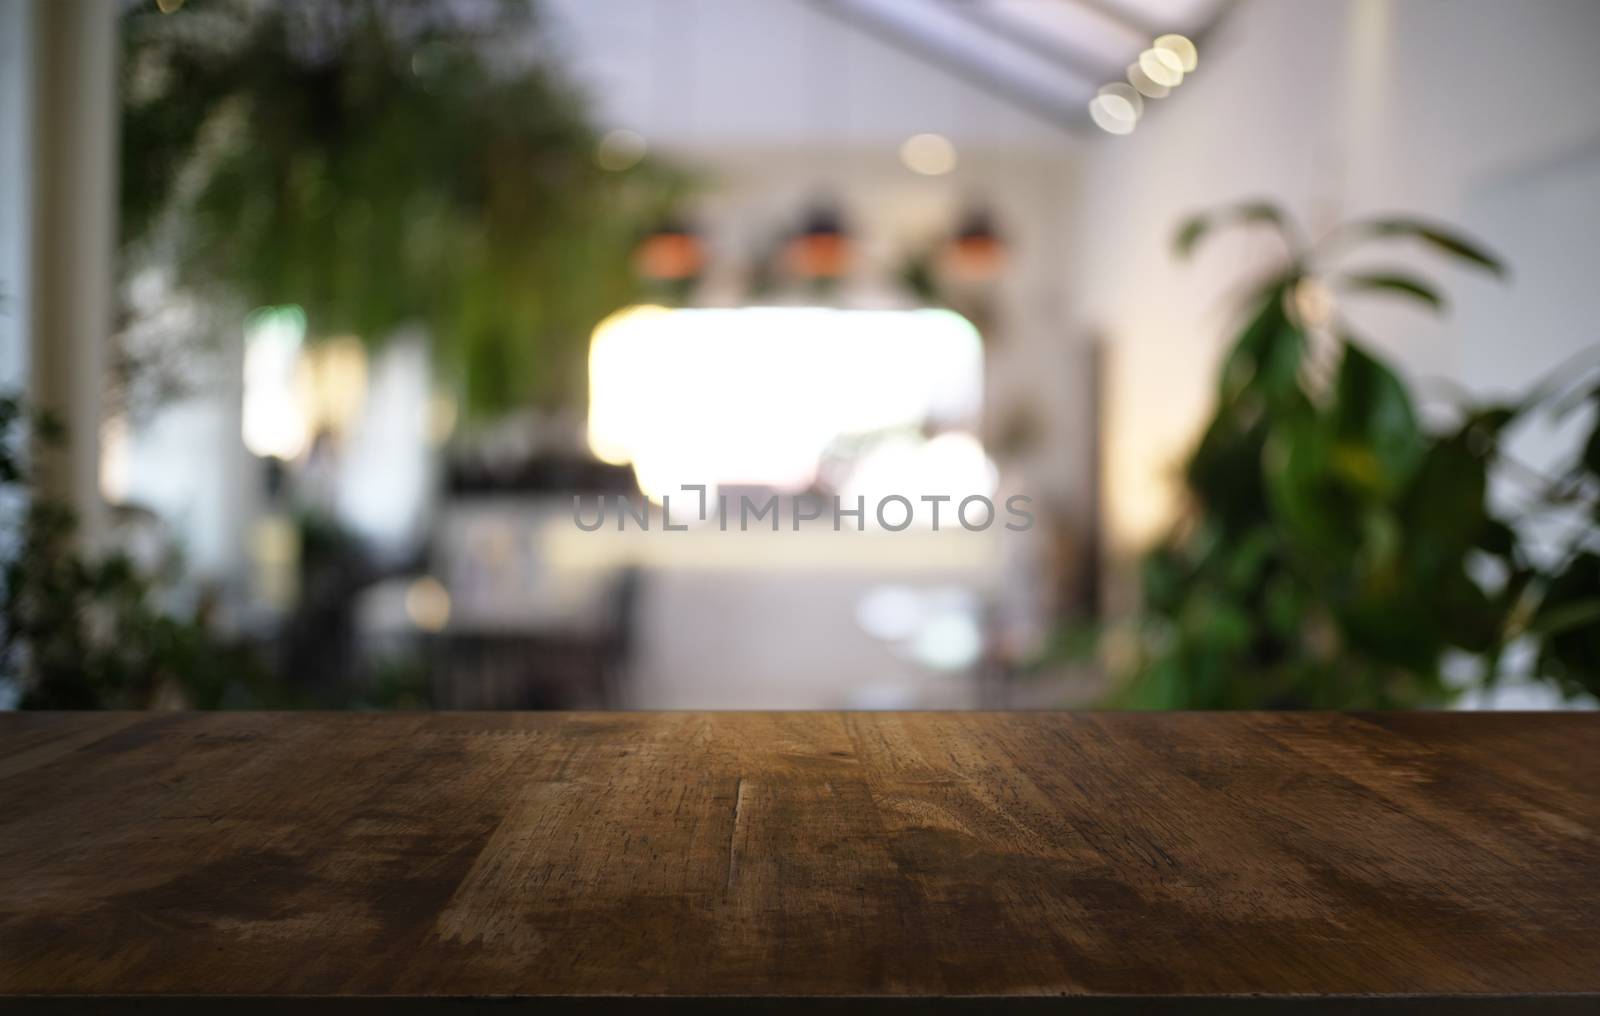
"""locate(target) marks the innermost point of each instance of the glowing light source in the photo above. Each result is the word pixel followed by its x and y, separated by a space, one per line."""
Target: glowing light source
pixel 1147 88
pixel 1180 47
pixel 1162 66
pixel 331 383
pixel 1122 101
pixel 116 459
pixel 272 423
pixel 620 150
pixel 952 464
pixel 428 604
pixel 928 154
pixel 1106 114
pixel 757 395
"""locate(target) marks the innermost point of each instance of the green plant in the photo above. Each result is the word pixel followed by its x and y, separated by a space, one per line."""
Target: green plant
pixel 80 631
pixel 1334 550
pixel 381 165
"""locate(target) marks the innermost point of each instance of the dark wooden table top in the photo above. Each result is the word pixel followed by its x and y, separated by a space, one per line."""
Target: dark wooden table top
pixel 1050 861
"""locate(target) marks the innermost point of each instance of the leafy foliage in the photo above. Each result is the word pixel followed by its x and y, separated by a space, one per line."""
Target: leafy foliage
pixel 83 632
pixel 382 165
pixel 1335 550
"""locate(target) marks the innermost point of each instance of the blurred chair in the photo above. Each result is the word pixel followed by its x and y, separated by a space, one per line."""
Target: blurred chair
pixel 560 667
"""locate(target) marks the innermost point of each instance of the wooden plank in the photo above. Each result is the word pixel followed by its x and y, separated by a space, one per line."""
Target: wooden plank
pixel 1105 862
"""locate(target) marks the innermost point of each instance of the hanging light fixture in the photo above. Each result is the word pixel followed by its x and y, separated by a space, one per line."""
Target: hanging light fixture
pixel 672 252
pixel 821 249
pixel 976 253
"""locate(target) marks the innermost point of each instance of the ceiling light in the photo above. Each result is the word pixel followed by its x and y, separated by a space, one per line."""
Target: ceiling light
pixel 1147 88
pixel 928 154
pixel 821 250
pixel 976 253
pixel 1163 66
pixel 1103 109
pixel 672 252
pixel 1182 48
pixel 1122 101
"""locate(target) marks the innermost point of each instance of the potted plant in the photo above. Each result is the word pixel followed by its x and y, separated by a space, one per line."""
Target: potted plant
pixel 1334 552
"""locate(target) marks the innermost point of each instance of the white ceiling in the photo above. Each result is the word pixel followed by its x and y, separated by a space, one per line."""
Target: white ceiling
pixel 1049 56
pixel 1003 73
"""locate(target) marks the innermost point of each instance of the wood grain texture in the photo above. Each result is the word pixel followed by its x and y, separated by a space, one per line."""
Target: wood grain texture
pixel 1068 857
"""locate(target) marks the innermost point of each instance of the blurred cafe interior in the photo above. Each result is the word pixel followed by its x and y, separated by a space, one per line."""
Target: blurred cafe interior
pixel 799 354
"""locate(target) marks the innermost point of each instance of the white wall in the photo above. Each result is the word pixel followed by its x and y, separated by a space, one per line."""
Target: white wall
pixel 1481 113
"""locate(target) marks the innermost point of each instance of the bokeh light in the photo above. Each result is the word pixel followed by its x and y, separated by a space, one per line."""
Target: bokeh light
pixel 1180 47
pixel 620 150
pixel 928 154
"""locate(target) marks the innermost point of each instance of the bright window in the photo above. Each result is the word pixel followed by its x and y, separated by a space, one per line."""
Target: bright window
pixel 760 395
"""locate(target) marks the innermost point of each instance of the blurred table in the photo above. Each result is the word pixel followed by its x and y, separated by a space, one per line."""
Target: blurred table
pixel 738 862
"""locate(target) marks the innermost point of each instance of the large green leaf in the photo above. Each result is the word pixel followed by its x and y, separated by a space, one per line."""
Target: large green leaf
pixel 1444 503
pixel 1197 227
pixel 1400 283
pixel 1571 649
pixel 1321 519
pixel 1376 435
pixel 1439 237
pixel 1590 458
pixel 1224 473
pixel 1569 616
pixel 1267 355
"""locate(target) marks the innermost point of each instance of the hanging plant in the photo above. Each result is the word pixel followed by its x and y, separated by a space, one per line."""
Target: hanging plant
pixel 382 165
